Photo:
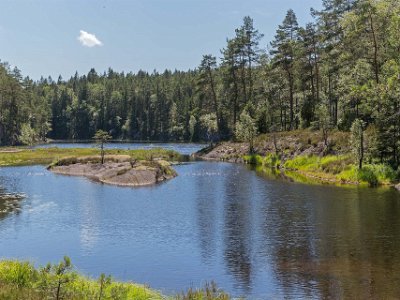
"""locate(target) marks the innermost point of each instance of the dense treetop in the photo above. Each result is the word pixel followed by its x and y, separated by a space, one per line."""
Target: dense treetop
pixel 344 66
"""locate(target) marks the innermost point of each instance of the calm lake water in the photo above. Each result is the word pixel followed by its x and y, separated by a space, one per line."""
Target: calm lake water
pixel 255 236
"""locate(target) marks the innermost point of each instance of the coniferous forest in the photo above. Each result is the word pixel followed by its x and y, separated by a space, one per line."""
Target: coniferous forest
pixel 342 68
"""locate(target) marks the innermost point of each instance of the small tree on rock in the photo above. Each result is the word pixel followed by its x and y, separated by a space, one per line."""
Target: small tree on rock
pixel 101 138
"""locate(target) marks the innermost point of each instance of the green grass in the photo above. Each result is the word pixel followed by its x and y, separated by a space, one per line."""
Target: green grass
pixel 253 159
pixel 371 174
pixel 21 280
pixel 209 292
pixel 270 160
pixel 43 156
pixel 341 169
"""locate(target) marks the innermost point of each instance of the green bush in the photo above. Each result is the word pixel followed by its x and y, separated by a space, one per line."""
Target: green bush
pixel 372 174
pixel 367 174
pixel 17 274
pixel 384 173
pixel 253 159
pixel 272 160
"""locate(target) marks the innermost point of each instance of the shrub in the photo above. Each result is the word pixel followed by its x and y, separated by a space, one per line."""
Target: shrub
pixel 367 174
pixel 372 174
pixel 384 173
pixel 272 160
pixel 253 159
pixel 17 274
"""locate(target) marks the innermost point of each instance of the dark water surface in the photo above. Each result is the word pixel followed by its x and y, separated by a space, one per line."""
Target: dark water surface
pixel 258 237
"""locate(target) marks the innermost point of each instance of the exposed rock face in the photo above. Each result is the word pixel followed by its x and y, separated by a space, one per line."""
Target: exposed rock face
pixel 139 173
pixel 287 144
pixel 230 152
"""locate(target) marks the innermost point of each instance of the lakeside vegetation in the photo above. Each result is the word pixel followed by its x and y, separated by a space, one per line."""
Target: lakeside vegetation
pixel 21 280
pixel 303 156
pixel 337 169
pixel 45 156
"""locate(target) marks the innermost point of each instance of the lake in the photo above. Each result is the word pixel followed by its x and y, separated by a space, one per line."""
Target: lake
pixel 255 236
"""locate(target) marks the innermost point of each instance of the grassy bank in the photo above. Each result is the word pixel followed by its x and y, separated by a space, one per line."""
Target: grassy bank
pixel 21 280
pixel 43 156
pixel 339 169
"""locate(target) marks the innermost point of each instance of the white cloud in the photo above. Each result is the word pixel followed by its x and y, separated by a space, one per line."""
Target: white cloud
pixel 88 39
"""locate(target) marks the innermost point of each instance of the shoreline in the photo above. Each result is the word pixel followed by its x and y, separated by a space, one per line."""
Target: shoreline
pixel 343 172
pixel 336 168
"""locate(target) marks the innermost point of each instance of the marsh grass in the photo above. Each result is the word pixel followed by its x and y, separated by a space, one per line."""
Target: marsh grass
pixel 209 292
pixel 45 156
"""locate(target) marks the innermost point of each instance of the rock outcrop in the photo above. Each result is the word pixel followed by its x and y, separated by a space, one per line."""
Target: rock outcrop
pixel 121 173
pixel 286 144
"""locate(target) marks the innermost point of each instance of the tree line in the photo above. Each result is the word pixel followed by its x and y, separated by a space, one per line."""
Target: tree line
pixel 342 67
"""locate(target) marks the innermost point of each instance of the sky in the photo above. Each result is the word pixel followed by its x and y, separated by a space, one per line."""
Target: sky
pixel 59 37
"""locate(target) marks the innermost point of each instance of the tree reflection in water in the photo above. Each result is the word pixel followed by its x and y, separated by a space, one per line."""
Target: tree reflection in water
pixel 238 227
pixel 325 246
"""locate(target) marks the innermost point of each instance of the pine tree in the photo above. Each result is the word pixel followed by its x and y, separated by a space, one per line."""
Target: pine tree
pixel 283 55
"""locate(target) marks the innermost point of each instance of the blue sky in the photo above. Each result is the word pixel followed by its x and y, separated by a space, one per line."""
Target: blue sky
pixel 41 36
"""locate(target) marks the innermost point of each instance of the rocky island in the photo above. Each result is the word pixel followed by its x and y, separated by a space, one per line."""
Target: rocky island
pixel 119 170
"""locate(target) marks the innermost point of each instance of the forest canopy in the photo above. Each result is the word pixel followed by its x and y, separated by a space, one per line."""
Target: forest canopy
pixel 343 66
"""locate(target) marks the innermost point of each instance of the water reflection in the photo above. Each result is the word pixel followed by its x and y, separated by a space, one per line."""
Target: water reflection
pixel 207 197
pixel 89 214
pixel 319 241
pixel 254 236
pixel 237 227
pixel 335 247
